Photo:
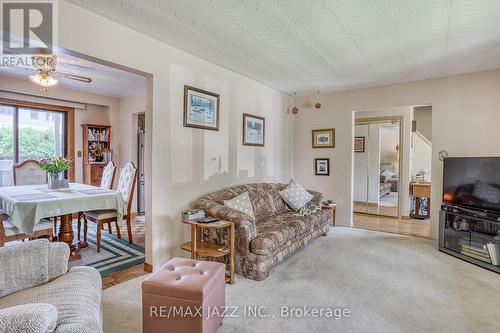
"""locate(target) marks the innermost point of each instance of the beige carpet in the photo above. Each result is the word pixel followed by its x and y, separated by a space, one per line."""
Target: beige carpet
pixel 390 283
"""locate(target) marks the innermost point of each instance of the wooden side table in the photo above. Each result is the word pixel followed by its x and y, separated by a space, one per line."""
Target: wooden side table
pixel 334 212
pixel 203 249
pixel 421 200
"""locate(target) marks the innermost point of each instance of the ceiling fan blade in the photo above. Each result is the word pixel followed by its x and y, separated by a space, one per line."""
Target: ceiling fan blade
pixel 74 77
pixel 17 67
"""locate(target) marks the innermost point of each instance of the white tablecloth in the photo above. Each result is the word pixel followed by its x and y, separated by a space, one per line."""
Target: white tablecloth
pixel 26 205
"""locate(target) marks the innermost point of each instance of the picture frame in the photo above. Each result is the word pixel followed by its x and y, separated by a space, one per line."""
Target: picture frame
pixel 201 108
pixel 323 138
pixel 254 130
pixel 359 144
pixel 322 167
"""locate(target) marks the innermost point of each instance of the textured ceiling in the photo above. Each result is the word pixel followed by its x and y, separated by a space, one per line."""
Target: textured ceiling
pixel 325 45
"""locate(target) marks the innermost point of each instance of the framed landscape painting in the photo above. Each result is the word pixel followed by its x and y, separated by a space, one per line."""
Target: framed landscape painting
pixel 323 138
pixel 254 130
pixel 359 144
pixel 201 109
pixel 322 167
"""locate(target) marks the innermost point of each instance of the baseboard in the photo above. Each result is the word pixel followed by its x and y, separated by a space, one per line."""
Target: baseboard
pixel 148 268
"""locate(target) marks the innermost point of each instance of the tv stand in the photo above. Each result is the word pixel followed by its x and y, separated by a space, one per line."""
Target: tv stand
pixel 465 233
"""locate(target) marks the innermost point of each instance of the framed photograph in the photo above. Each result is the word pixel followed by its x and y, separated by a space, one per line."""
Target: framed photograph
pixel 322 167
pixel 254 130
pixel 323 138
pixel 359 144
pixel 201 109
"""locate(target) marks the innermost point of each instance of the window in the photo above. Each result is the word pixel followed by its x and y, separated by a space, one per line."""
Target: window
pixel 29 133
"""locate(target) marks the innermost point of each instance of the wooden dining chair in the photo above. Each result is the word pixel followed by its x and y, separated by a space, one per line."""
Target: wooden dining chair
pixel 9 233
pixel 126 186
pixel 28 172
pixel 107 180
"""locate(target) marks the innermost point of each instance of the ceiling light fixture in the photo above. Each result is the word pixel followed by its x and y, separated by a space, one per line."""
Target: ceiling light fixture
pixel 44 80
pixel 317 105
pixel 45 66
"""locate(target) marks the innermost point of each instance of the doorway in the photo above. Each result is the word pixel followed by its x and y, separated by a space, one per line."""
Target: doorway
pixel 377 164
pixel 388 162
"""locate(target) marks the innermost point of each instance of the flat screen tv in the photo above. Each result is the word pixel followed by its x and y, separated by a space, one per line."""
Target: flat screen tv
pixel 473 182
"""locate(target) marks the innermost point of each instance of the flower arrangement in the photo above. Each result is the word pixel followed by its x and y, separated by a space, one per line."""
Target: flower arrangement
pixel 55 165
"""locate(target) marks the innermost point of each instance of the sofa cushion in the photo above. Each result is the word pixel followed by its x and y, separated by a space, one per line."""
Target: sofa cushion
pixel 295 195
pixel 29 318
pixel 278 230
pixel 271 235
pixel 241 203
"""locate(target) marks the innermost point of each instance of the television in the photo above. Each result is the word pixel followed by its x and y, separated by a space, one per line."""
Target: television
pixel 472 182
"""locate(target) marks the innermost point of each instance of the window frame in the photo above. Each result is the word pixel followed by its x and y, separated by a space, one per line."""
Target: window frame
pixel 68 122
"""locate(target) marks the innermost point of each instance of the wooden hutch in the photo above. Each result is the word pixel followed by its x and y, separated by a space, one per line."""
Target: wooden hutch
pixel 96 152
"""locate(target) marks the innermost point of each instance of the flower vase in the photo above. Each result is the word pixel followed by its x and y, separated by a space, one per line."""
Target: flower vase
pixel 56 181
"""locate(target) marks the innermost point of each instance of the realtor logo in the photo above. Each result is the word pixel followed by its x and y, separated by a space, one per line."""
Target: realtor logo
pixel 28 27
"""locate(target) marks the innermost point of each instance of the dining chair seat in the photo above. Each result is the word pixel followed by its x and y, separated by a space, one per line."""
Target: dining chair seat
pixel 11 230
pixel 101 214
pixel 9 233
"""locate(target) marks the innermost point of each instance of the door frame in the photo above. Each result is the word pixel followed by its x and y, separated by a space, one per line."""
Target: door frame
pixel 386 119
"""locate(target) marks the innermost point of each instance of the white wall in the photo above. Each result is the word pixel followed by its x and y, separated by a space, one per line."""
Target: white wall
pixel 184 163
pixel 423 116
pixel 421 156
pixel 129 106
pixel 465 118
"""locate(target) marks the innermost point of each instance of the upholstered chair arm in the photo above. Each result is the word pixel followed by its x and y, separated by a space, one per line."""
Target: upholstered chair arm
pixel 29 318
pixel 58 259
pixel 244 224
pixel 317 197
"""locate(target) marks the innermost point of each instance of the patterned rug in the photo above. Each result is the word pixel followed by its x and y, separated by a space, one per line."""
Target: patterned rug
pixel 116 254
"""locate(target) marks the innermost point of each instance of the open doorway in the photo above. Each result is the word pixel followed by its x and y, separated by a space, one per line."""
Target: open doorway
pixel 88 120
pixel 377 166
pixel 391 170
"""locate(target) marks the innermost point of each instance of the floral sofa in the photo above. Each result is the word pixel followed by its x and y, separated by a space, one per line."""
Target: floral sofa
pixel 275 233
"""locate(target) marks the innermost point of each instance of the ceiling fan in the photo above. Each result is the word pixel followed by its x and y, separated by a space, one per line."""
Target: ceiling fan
pixel 46 69
pixel 46 72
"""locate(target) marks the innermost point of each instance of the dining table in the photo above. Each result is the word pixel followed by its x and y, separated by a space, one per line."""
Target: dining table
pixel 28 204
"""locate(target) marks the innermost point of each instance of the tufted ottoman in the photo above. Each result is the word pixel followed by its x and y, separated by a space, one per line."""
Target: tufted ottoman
pixel 184 296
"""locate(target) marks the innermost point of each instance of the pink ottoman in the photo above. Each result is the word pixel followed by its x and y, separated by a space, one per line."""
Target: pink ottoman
pixel 184 296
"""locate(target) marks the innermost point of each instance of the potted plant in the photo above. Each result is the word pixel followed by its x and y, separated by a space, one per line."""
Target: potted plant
pixel 55 168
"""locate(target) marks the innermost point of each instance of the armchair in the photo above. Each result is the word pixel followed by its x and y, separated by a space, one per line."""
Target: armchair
pixel 34 280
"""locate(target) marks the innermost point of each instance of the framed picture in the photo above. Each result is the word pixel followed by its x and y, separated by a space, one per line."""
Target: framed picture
pixel 322 167
pixel 359 144
pixel 254 130
pixel 201 109
pixel 323 138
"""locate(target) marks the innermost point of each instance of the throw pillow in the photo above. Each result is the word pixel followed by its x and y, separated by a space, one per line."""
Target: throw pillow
pixel 241 203
pixel 295 195
pixel 308 208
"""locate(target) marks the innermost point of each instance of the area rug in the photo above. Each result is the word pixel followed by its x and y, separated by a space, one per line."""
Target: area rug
pixel 389 283
pixel 116 254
